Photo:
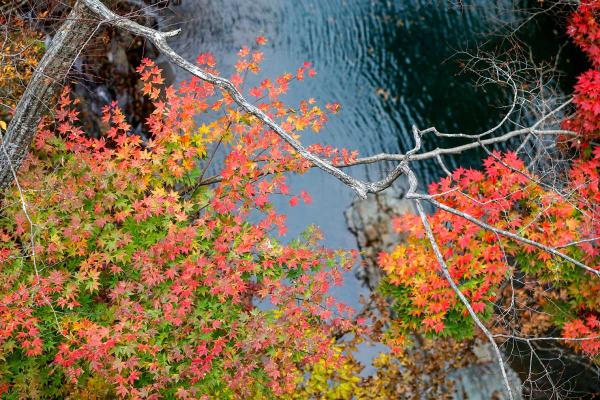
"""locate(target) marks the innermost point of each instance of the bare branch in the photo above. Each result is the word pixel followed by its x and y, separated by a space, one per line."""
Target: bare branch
pixel 361 187
pixel 458 149
pixel 502 232
pixel 462 297
pixel 159 40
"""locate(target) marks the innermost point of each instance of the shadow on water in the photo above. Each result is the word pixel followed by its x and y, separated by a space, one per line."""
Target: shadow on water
pixel 390 64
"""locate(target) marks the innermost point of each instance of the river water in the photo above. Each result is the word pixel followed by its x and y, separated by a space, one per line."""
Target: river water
pixel 390 64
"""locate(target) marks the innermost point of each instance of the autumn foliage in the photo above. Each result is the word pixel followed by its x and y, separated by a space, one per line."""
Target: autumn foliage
pixel 505 196
pixel 152 264
pixel 520 289
pixel 584 28
pixel 129 270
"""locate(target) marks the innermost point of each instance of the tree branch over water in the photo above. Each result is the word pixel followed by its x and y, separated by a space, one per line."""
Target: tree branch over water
pixel 88 15
pixel 362 188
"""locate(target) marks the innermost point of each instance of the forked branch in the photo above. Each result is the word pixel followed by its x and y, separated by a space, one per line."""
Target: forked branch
pixel 362 188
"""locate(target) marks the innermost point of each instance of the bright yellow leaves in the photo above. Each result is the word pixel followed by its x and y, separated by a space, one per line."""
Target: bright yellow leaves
pixel 328 381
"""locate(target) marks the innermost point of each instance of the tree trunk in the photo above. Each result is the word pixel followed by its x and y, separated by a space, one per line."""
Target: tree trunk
pixel 47 79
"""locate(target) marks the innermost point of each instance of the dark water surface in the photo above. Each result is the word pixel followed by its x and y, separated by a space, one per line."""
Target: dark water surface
pixel 389 63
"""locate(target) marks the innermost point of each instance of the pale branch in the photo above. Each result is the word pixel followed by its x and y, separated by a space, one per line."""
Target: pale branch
pixel 533 129
pixel 502 232
pixel 159 40
pixel 458 149
pixel 461 296
pixel 589 240
pixel 361 187
pixel 442 165
pixel 42 87
pixel 546 338
pixel 498 126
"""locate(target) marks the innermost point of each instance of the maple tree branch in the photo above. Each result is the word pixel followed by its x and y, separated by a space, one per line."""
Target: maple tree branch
pixel 504 119
pixel 159 40
pixel 362 188
pixel 502 232
pixel 576 242
pixel 461 296
pixel 458 149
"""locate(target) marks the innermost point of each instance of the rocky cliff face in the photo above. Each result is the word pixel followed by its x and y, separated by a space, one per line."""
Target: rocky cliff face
pixel 370 220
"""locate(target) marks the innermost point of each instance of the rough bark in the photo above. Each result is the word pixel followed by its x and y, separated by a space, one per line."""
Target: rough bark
pixel 43 86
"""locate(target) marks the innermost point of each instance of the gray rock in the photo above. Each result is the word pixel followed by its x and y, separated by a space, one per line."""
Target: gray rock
pixel 117 56
pixel 484 382
pixel 370 220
